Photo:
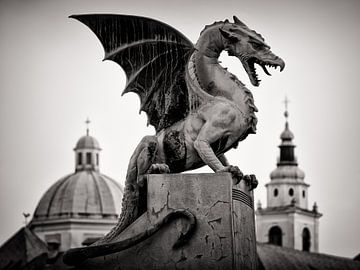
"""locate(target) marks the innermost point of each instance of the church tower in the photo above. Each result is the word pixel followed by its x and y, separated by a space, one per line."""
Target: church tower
pixel 286 221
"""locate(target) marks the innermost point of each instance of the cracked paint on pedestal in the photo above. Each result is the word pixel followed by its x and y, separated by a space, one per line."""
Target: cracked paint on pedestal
pixel 221 223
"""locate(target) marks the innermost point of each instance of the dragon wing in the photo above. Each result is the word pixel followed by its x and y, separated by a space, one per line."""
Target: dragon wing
pixel 153 56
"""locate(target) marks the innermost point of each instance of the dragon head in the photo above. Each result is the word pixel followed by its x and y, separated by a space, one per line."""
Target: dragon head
pixel 250 48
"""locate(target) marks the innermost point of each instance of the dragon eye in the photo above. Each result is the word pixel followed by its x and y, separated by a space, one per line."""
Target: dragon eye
pixel 257 46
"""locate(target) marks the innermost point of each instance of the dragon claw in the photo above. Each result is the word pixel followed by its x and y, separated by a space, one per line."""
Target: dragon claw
pixel 236 173
pixel 251 181
pixel 158 168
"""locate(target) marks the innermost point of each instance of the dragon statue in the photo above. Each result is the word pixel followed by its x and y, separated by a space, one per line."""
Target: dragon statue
pixel 198 108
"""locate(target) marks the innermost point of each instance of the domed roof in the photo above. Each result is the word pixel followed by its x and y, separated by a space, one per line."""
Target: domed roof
pixel 87 142
pixel 287 171
pixel 84 194
pixel 287 135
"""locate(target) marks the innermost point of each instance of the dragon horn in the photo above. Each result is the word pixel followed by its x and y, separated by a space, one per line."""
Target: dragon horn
pixel 238 22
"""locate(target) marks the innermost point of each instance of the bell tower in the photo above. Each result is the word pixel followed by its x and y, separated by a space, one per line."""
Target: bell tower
pixel 286 220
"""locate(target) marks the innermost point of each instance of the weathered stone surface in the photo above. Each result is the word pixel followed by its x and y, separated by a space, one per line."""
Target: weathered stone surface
pixel 198 108
pixel 224 218
pixel 244 237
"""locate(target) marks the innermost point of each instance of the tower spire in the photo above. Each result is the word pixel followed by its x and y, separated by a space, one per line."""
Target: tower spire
pixel 87 122
pixel 287 156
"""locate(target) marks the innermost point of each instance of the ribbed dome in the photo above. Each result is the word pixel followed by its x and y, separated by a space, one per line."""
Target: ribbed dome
pixel 289 172
pixel 84 194
pixel 87 142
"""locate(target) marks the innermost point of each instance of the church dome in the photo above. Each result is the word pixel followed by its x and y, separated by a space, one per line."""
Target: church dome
pixel 84 194
pixel 289 172
pixel 87 142
pixel 82 206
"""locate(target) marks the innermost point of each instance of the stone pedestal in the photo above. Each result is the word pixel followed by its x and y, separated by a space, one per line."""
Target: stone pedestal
pixel 225 231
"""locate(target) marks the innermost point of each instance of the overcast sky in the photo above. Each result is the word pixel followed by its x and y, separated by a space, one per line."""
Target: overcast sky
pixel 52 78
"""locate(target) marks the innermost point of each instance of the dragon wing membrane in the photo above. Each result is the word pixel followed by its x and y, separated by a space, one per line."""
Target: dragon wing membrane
pixel 153 56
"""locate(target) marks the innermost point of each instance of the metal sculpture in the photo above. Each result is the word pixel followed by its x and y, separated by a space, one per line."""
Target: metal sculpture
pixel 198 108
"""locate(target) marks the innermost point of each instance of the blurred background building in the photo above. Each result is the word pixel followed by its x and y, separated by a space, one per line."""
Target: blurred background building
pixel 83 206
pixel 286 220
pixel 75 211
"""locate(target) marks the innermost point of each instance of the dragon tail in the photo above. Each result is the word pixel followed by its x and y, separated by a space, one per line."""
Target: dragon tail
pixel 130 202
pixel 132 206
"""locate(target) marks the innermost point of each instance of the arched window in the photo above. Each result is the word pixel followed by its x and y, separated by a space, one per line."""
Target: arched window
pixel 97 159
pixel 275 236
pixel 276 192
pixel 303 193
pixel 88 158
pixel 79 158
pixel 291 192
pixel 306 239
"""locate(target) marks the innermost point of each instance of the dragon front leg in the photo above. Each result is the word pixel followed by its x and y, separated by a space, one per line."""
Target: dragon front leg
pixel 205 152
pixel 207 135
pixel 224 161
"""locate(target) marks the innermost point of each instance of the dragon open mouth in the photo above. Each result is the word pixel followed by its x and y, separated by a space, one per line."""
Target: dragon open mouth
pixel 250 68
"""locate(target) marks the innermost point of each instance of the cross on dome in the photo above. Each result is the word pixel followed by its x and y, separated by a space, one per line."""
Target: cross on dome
pixel 87 122
pixel 87 151
pixel 286 102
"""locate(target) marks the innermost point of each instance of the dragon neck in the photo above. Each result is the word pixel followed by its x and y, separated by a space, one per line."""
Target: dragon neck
pixel 208 80
pixel 211 43
pixel 216 81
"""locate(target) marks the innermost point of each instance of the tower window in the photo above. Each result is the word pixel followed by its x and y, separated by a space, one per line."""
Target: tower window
pixel 303 193
pixel 79 158
pixel 276 192
pixel 291 192
pixel 97 159
pixel 306 239
pixel 88 158
pixel 275 236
